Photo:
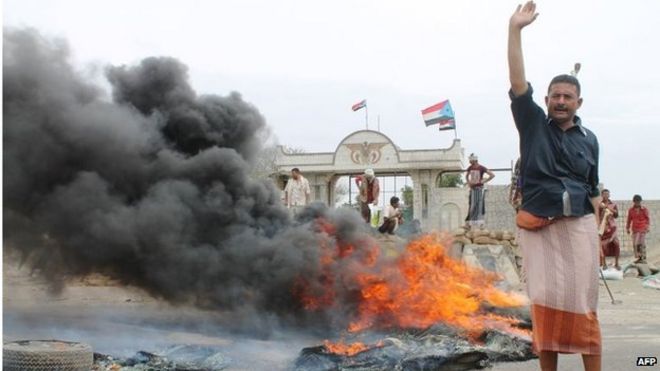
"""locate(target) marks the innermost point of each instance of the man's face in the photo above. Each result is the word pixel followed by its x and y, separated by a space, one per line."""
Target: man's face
pixel 396 205
pixel 606 195
pixel 637 203
pixel 295 175
pixel 473 162
pixel 562 102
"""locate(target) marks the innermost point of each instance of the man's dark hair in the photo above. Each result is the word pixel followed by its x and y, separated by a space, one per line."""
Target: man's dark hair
pixel 295 170
pixel 394 200
pixel 605 190
pixel 566 79
pixel 637 198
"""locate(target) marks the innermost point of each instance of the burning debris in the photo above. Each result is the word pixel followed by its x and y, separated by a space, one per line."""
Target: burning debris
pixel 438 348
pixel 421 288
pixel 446 314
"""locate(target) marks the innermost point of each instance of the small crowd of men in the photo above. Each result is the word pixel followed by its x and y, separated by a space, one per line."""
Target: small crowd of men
pixel 297 196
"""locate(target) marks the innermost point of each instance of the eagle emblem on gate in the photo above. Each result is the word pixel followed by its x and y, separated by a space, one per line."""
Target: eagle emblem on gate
pixel 365 153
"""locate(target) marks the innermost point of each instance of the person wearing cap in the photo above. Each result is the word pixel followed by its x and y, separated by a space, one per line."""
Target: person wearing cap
pixel 296 192
pixel 557 220
pixel 369 191
pixel 474 177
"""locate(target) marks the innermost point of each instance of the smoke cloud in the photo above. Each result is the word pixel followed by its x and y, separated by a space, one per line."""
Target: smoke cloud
pixel 151 186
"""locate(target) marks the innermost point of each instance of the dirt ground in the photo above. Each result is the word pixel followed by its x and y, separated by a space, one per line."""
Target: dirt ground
pixel 121 320
pixel 629 330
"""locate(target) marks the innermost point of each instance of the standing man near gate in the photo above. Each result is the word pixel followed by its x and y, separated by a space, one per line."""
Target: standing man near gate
pixel 558 226
pixel 474 176
pixel 296 192
pixel 369 191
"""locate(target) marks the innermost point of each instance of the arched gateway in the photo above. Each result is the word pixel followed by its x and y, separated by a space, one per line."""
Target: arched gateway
pixel 372 149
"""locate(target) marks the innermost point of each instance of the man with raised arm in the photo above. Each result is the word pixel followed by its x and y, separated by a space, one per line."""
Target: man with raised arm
pixel 558 227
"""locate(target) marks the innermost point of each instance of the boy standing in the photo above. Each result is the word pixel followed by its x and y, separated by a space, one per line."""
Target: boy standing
pixel 638 219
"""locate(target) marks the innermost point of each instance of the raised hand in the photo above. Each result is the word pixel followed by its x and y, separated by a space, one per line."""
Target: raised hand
pixel 523 15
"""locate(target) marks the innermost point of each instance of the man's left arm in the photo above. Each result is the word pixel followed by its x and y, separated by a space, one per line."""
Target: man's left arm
pixel 491 175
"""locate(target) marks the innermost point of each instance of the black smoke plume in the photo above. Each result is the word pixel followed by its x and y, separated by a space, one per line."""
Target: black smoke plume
pixel 150 187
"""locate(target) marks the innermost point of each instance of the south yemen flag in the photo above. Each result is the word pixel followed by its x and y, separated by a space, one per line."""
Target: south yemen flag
pixel 441 114
pixel 359 105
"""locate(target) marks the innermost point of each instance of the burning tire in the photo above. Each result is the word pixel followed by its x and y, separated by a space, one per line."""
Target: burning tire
pixel 38 355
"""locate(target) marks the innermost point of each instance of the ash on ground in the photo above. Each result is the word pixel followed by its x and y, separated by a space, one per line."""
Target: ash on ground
pixel 177 358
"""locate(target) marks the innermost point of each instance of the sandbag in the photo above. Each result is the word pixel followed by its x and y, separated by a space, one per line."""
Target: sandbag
pixel 643 269
pixel 630 271
pixel 613 274
pixel 484 240
pixel 480 233
pixel 651 282
pixel 463 240
pixel 458 232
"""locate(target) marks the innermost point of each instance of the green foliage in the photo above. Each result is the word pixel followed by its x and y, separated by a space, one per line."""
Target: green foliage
pixel 451 180
pixel 407 195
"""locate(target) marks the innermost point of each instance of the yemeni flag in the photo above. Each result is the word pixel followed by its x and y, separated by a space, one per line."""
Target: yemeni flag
pixel 359 105
pixel 441 114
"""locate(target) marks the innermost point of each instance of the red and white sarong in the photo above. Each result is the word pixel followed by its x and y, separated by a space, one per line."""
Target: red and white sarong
pixel 561 262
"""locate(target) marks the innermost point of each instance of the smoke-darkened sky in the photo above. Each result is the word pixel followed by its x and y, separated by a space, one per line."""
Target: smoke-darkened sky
pixel 305 63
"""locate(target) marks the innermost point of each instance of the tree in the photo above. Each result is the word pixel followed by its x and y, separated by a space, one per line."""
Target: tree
pixel 407 195
pixel 451 180
pixel 264 164
pixel 341 191
pixel 293 150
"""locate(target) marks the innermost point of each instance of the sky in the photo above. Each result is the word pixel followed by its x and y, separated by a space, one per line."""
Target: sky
pixel 304 63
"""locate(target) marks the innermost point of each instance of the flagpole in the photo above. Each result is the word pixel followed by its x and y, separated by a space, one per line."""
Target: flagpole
pixel 366 116
pixel 455 131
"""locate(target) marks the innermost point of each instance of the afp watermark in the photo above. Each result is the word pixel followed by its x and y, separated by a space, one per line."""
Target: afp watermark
pixel 647 361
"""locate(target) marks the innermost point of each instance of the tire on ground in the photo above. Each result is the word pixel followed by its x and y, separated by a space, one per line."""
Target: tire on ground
pixel 38 355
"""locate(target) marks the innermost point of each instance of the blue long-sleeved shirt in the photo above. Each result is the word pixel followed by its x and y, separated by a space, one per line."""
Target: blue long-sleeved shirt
pixel 559 168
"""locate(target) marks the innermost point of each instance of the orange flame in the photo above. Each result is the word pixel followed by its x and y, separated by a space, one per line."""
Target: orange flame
pixel 425 287
pixel 345 349
pixel 420 288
